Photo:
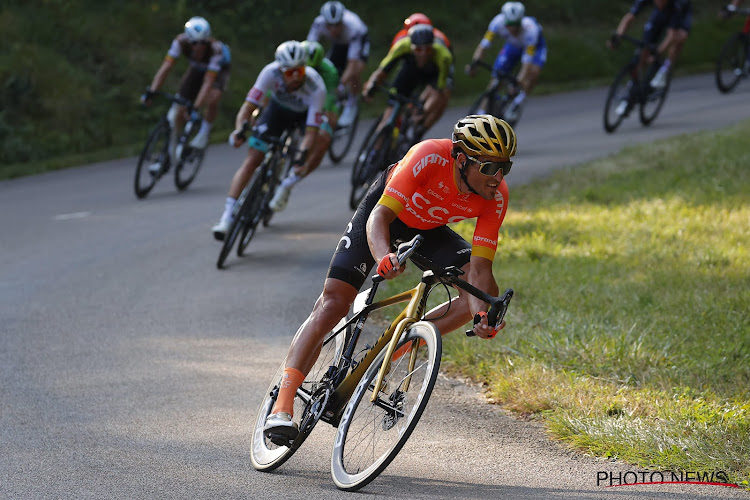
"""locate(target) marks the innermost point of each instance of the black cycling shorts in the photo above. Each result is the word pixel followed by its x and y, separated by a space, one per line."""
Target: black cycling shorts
pixel 352 261
pixel 192 81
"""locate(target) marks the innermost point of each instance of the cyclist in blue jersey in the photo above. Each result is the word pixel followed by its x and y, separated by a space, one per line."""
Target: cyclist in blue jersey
pixel 524 42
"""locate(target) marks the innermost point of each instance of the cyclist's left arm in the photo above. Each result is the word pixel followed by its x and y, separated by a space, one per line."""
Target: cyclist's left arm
pixel 480 275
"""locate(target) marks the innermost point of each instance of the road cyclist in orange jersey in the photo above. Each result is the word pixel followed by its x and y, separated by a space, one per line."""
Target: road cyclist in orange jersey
pixel 439 181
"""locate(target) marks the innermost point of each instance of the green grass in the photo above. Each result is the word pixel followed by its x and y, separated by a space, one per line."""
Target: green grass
pixel 629 334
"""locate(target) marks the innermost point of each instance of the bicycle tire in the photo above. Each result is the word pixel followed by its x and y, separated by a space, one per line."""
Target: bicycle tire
pixel 154 151
pixel 239 219
pixel 282 165
pixel 730 65
pixel 267 456
pixel 370 161
pixel 653 100
pixel 342 139
pixel 257 196
pixel 370 435
pixel 617 92
pixel 190 160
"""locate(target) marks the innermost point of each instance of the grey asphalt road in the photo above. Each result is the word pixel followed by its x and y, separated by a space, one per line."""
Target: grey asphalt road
pixel 130 367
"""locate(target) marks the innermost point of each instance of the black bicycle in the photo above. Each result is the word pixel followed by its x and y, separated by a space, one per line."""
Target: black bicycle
pixel 387 144
pixel 498 95
pixel 733 63
pixel 155 160
pixel 343 135
pixel 373 394
pixel 632 87
pixel 252 206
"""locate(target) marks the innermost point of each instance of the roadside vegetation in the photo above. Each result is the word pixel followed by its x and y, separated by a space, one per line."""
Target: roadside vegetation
pixel 72 71
pixel 629 334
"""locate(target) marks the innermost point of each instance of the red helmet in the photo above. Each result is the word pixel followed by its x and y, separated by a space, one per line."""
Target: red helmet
pixel 416 18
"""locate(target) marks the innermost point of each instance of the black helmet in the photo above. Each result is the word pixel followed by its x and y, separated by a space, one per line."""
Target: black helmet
pixel 421 34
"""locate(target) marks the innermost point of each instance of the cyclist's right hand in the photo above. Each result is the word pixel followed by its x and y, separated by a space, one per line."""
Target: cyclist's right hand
pixel 368 91
pixel 146 97
pixel 389 267
pixel 239 136
pixel 471 69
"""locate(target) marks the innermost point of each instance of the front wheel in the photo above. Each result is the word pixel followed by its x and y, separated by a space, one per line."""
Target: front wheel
pixel 190 158
pixel 732 64
pixel 154 159
pixel 619 99
pixel 371 433
pixel 264 454
pixel 371 160
pixel 342 140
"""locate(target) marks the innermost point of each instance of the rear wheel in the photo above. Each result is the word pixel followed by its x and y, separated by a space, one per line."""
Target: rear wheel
pixel 371 160
pixel 190 159
pixel 619 100
pixel 155 152
pixel 342 139
pixel 264 454
pixel 732 64
pixel 371 434
pixel 654 99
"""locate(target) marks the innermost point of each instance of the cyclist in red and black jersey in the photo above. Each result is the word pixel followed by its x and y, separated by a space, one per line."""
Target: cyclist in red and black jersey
pixel 204 82
pixel 436 183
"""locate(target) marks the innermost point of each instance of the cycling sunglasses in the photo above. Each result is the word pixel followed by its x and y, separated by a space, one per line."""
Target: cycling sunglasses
pixel 295 73
pixel 491 168
pixel 420 49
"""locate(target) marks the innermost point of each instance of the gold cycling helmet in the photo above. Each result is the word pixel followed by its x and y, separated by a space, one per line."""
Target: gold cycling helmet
pixel 484 135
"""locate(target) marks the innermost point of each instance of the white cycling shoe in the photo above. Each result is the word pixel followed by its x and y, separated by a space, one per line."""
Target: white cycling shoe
pixel 220 230
pixel 659 81
pixel 280 428
pixel 280 198
pixel 200 141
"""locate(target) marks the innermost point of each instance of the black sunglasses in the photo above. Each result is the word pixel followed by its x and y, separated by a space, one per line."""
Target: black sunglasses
pixel 491 168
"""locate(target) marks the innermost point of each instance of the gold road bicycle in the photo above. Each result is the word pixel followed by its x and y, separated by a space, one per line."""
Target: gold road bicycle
pixel 373 397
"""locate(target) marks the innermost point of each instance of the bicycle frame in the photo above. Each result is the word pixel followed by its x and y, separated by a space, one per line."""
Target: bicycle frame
pixel 344 382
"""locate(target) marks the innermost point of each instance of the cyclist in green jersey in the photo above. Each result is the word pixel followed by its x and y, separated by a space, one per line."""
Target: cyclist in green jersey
pixel 315 59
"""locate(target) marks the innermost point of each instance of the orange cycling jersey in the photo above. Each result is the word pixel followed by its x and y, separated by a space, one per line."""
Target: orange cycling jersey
pixel 423 192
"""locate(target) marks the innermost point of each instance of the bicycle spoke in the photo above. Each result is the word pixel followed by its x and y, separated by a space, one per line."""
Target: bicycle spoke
pixel 371 433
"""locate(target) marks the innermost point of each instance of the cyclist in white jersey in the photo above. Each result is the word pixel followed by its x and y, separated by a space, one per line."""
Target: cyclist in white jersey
pixel 291 95
pixel 350 48
pixel 524 42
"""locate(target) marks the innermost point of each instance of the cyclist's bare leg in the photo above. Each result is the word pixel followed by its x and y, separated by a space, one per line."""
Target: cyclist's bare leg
pixel 528 76
pixel 676 41
pixel 352 76
pixel 212 105
pixel 245 172
pixel 433 108
pixel 317 153
pixel 332 305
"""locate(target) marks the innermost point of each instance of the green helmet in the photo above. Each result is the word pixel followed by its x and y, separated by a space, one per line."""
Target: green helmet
pixel 314 51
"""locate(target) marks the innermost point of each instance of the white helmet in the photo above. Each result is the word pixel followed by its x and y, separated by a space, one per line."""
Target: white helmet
pixel 513 12
pixel 291 54
pixel 332 12
pixel 197 29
